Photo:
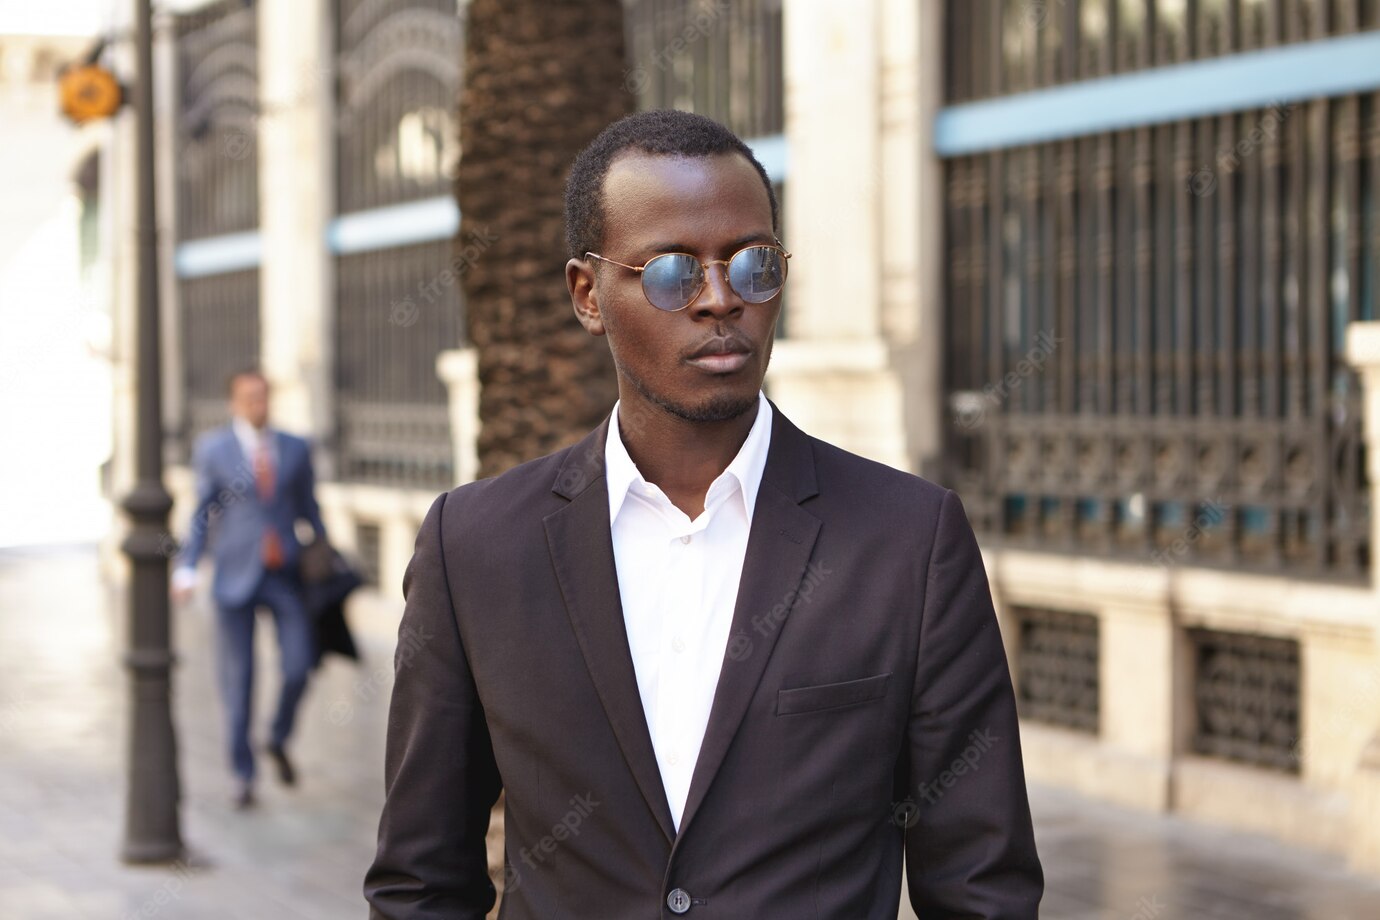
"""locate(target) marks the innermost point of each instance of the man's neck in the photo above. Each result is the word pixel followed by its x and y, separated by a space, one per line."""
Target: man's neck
pixel 681 457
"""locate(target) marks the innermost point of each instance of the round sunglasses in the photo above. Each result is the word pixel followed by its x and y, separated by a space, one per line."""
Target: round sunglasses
pixel 672 281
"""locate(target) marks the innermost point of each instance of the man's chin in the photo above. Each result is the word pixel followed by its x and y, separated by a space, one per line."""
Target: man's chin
pixel 718 407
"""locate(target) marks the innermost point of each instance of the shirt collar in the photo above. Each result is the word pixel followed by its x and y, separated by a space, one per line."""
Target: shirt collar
pixel 746 467
pixel 247 434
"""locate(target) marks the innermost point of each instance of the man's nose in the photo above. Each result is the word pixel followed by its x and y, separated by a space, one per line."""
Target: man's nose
pixel 718 298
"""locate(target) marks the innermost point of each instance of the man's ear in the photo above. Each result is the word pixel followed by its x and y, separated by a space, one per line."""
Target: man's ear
pixel 579 280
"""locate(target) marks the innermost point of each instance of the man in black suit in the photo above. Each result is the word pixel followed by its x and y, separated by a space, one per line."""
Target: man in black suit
pixel 721 668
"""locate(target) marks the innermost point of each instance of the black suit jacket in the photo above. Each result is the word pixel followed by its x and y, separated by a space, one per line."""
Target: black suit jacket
pixel 864 712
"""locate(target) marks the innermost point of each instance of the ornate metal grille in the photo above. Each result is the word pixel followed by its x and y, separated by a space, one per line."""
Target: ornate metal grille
pixel 1057 668
pixel 218 152
pixel 216 173
pixel 220 336
pixel 400 66
pixel 394 317
pixel 1145 338
pixel 397 137
pixel 1008 46
pixel 1246 691
pixel 720 58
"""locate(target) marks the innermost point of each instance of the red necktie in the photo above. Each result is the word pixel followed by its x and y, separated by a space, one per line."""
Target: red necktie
pixel 263 478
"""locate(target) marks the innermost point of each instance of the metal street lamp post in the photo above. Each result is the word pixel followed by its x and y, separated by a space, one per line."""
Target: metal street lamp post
pixel 151 811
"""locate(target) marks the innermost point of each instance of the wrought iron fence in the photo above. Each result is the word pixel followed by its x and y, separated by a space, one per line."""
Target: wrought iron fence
pixel 1145 335
pixel 399 307
pixel 1246 695
pixel 217 167
pixel 1057 668
pixel 216 175
pixel 399 65
pixel 720 58
pixel 220 332
pixel 1010 46
pixel 393 409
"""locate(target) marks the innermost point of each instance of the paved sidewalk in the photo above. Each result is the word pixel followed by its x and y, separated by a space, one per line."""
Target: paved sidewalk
pixel 301 855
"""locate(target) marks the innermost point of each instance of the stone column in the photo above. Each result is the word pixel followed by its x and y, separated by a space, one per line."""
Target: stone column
pixel 855 129
pixel 296 202
pixel 117 200
pixel 458 369
pixel 1363 353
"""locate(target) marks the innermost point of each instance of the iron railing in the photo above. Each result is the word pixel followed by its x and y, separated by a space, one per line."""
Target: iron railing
pixel 1246 691
pixel 1145 338
pixel 1057 668
pixel 397 308
pixel 220 335
pixel 1009 46
pixel 217 164
pixel 720 58
pixel 216 176
pixel 393 409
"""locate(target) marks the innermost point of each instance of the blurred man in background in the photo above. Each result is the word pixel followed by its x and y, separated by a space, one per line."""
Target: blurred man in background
pixel 253 483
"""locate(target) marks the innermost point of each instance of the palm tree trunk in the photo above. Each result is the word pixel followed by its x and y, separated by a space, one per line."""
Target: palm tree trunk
pixel 542 78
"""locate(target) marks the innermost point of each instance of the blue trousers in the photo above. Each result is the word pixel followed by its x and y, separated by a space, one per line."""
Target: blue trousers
pixel 280 593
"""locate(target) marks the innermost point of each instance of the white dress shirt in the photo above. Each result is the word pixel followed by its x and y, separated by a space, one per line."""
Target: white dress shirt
pixel 678 580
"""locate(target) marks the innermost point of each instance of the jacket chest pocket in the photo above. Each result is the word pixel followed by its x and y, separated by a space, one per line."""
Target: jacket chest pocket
pixel 831 696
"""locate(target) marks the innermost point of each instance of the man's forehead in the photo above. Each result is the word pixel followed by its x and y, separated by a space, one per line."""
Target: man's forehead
pixel 641 185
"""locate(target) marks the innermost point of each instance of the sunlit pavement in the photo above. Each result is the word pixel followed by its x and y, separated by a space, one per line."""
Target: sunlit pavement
pixel 302 853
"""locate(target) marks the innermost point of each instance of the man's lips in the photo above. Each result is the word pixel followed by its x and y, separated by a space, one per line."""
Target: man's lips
pixel 721 355
pixel 722 363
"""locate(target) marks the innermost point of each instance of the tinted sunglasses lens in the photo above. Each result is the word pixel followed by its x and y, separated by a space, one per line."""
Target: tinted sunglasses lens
pixel 672 281
pixel 757 273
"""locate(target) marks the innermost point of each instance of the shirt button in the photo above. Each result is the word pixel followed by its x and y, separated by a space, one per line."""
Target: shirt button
pixel 678 900
pixel 678 644
pixel 684 539
pixel 673 758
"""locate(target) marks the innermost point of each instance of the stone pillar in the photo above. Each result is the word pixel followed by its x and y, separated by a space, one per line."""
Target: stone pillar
pixel 1363 353
pixel 458 369
pixel 1138 721
pixel 1365 805
pixel 296 202
pixel 117 199
pixel 856 129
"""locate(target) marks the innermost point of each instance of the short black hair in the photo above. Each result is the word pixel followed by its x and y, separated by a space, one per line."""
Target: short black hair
pixel 662 131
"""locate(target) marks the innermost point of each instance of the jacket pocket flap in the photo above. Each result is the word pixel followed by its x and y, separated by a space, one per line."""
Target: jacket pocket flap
pixel 831 696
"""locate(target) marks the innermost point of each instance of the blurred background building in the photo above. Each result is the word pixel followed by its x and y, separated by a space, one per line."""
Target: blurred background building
pixel 1106 267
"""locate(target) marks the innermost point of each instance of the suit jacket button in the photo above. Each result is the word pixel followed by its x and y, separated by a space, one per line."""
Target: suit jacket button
pixel 678 900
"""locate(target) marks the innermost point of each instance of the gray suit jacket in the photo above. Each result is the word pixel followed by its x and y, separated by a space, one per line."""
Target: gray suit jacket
pixel 864 713
pixel 232 518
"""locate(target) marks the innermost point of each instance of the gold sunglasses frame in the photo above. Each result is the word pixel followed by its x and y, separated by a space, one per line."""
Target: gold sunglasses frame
pixel 641 269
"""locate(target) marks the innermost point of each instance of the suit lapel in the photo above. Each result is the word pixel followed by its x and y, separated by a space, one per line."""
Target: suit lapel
pixel 580 541
pixel 780 542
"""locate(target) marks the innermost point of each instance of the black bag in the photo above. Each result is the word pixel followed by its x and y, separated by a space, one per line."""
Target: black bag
pixel 327 580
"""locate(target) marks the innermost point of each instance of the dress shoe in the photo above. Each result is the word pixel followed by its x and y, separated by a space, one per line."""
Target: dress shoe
pixel 244 797
pixel 285 771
